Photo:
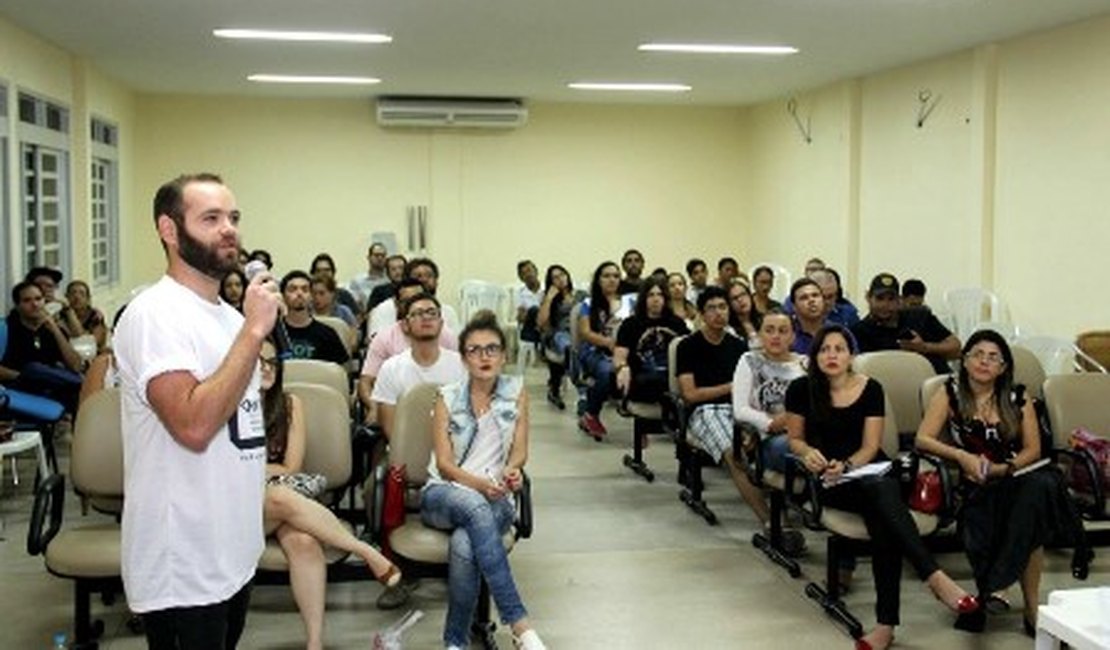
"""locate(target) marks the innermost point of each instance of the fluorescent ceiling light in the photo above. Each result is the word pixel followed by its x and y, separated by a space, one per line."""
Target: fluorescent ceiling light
pixel 312 79
pixel 696 48
pixel 645 87
pixel 318 37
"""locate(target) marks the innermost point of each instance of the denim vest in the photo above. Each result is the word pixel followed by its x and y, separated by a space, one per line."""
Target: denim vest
pixel 462 425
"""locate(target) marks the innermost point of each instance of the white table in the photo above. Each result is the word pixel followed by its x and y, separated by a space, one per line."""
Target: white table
pixel 1077 617
pixel 24 441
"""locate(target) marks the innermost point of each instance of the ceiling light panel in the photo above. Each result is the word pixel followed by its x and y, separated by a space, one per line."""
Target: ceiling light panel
pixel 621 86
pixel 312 79
pixel 708 48
pixel 309 37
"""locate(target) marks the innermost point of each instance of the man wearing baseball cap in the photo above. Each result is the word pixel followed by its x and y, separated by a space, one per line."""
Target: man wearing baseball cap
pixel 888 327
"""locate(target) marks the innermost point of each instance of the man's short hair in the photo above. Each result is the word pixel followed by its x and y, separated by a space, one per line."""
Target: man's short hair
pixel 407 303
pixel 396 256
pixel 727 260
pixel 521 264
pixel 913 287
pixel 407 282
pixel 295 274
pixel 693 264
pixel 711 292
pixel 798 284
pixel 377 244
pixel 417 262
pixel 170 198
pixel 19 288
pixel 326 280
pixel 631 251
pixel 763 269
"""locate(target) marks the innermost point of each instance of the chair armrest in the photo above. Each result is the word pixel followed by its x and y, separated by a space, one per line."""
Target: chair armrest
pixel 809 504
pixel 46 513
pixel 1086 461
pixel 753 465
pixel 675 415
pixel 377 499
pixel 524 508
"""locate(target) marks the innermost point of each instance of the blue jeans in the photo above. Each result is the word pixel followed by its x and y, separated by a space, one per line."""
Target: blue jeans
pixel 773 452
pixel 599 366
pixel 476 526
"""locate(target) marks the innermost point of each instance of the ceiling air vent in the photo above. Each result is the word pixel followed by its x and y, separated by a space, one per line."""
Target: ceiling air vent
pixel 451 113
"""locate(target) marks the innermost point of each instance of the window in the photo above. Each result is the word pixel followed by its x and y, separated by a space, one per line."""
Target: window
pixel 104 208
pixel 44 154
pixel 5 219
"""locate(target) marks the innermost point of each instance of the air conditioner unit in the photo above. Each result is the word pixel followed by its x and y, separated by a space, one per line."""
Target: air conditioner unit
pixel 452 113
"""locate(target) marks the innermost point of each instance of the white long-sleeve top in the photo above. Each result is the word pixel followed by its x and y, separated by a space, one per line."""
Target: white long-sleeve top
pixel 759 387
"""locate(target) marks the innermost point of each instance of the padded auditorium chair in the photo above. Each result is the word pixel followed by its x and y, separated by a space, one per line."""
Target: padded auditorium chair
pixel 901 373
pixel 87 553
pixel 327 452
pixel 691 458
pixel 422 551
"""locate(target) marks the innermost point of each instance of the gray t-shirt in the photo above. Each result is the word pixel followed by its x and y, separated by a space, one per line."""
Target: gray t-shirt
pixel 759 387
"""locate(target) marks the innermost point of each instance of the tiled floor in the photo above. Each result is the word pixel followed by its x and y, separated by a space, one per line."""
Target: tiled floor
pixel 615 563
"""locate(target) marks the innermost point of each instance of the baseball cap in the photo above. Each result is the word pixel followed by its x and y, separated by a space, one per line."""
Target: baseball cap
pixel 883 283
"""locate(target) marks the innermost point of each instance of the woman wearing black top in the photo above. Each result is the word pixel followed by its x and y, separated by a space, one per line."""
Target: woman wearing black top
pixel 553 320
pixel 640 357
pixel 835 423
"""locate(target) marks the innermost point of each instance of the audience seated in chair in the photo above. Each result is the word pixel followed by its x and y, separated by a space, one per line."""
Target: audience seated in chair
pixel 809 313
pixel 913 294
pixel 529 297
pixel 698 274
pixel 835 424
pixel 678 303
pixel 706 363
pixel 232 287
pixel 324 301
pixel 632 263
pixel 759 394
pixel 390 342
pixel 743 319
pixel 763 281
pixel 887 327
pixel 598 321
pixel 324 265
pixel 363 285
pixel 290 511
pixel 38 358
pixel 480 430
pixel 553 320
pixel 80 318
pixel 310 338
pixel 640 355
pixel 838 309
pixel 727 269
pixel 992 433
pixel 426 272
pixel 395 271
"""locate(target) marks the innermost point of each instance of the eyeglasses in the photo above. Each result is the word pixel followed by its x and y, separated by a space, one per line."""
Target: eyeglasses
pixel 423 314
pixel 490 350
pixel 992 358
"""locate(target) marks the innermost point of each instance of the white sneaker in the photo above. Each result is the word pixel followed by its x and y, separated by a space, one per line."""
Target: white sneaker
pixel 530 640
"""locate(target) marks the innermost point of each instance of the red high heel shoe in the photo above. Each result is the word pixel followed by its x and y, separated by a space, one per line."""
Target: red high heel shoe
pixel 967 604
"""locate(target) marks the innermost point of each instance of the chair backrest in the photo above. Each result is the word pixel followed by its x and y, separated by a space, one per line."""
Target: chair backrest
pixel 672 365
pixel 1028 370
pixel 929 387
pixel 327 432
pixel 783 279
pixel 1057 356
pixel 1077 400
pixel 411 441
pixel 346 333
pixel 575 314
pixel 96 459
pixel 317 371
pixel 475 295
pixel 971 306
pixel 1096 345
pixel 901 373
pixel 890 443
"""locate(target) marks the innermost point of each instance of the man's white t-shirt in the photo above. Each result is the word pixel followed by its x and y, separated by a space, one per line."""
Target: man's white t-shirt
pixel 192 521
pixel 401 372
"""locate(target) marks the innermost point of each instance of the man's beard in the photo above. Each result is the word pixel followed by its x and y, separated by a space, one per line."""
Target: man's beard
pixel 205 259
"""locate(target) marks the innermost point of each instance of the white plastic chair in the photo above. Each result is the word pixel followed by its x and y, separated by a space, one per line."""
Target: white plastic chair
pixel 971 306
pixel 476 295
pixel 1058 356
pixel 1009 331
pixel 783 279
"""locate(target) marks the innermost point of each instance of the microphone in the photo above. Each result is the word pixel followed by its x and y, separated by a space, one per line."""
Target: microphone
pixel 282 344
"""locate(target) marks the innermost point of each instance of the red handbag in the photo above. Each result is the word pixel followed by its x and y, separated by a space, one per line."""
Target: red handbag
pixel 393 503
pixel 928 493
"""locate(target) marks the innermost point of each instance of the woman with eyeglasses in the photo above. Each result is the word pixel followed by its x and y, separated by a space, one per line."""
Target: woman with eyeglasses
pixel 835 423
pixel 301 524
pixel 743 318
pixel 1007 515
pixel 600 317
pixel 480 438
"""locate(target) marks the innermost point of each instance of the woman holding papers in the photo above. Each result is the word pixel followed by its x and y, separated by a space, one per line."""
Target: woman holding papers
pixel 835 424
pixel 1009 512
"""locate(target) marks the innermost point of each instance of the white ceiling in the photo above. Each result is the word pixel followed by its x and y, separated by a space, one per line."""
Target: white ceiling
pixel 526 48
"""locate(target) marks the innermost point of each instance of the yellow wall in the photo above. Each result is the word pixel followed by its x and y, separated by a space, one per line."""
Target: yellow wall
pixel 577 184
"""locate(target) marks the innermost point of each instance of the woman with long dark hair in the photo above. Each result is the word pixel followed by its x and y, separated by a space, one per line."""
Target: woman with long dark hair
pixel 835 423
pixel 553 319
pixel 743 317
pixel 300 523
pixel 1007 516
pixel 640 355
pixel 598 321
pixel 677 301
pixel 480 446
pixel 232 288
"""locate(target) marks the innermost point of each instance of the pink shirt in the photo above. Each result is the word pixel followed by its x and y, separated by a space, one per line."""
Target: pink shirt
pixel 392 341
